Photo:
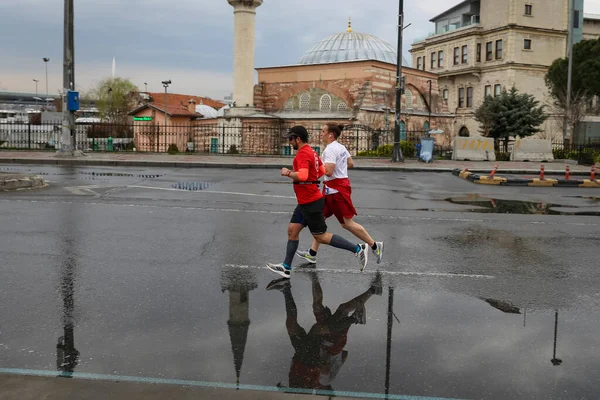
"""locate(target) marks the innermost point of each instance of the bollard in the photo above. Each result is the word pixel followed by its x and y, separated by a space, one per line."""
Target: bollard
pixel 542 173
pixel 567 173
pixel 593 173
pixel 494 171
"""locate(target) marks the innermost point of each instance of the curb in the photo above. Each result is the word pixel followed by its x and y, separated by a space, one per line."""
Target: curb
pixel 229 165
pixel 534 182
pixel 21 182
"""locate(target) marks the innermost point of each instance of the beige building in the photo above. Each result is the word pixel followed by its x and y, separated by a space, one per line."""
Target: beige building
pixel 591 26
pixel 480 47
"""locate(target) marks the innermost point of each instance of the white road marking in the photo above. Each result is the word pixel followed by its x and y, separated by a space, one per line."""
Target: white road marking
pixel 211 191
pixel 385 217
pixel 372 272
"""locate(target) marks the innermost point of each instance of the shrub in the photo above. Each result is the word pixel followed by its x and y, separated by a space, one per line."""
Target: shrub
pixel 173 149
pixel 598 158
pixel 408 150
pixel 560 154
pixel 502 156
pixel 233 149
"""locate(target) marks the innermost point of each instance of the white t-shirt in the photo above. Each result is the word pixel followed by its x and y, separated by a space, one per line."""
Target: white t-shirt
pixel 335 153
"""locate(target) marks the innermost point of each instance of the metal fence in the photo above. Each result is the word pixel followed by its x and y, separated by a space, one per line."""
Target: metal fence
pixel 585 154
pixel 223 138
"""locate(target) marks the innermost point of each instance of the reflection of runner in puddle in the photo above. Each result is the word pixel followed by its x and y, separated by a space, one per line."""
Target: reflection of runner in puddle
pixel 319 354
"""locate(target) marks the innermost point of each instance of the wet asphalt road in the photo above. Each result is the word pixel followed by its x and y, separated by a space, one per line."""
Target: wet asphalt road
pixel 116 271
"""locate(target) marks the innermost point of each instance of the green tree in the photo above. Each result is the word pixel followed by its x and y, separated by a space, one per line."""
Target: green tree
pixel 116 97
pixel 511 114
pixel 585 81
pixel 586 72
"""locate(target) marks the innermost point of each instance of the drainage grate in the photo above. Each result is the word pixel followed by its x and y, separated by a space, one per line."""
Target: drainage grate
pixel 192 186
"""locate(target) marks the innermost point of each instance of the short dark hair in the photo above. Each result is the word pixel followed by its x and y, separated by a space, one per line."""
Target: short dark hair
pixel 334 128
pixel 298 131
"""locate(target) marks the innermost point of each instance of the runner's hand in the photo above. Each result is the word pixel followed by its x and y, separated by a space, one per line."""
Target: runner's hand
pixel 285 172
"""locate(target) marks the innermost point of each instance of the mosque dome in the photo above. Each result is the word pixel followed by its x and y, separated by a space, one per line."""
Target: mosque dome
pixel 349 46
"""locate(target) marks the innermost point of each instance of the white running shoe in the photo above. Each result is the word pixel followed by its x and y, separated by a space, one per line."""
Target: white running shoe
pixel 305 254
pixel 362 256
pixel 378 252
pixel 280 269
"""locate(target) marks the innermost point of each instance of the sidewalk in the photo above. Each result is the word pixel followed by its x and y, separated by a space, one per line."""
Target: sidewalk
pixel 239 161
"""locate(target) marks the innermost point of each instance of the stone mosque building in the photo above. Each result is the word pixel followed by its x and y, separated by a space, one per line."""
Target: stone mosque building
pixel 348 77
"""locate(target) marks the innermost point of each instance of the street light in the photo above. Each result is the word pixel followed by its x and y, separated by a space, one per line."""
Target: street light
pixel 46 59
pixel 145 87
pixel 36 87
pixel 166 85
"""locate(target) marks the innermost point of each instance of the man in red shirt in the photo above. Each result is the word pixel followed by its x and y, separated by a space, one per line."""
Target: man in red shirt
pixel 308 168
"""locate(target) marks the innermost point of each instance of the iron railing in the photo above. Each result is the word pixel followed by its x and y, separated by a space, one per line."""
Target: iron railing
pixel 224 138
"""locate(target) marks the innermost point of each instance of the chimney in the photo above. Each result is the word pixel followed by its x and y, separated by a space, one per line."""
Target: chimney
pixel 192 106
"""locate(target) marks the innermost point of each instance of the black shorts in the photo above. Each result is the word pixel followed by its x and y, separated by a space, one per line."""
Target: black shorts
pixel 311 215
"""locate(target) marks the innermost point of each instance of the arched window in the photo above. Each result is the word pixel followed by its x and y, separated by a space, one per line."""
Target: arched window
pixel 304 102
pixel 342 106
pixel 289 105
pixel 426 126
pixel 464 132
pixel 325 103
pixel 408 99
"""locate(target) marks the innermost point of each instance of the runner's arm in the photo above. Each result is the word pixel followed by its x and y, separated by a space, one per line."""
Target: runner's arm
pixel 350 162
pixel 300 176
pixel 329 168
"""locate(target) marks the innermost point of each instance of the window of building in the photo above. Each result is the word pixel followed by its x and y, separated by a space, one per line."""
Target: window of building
pixel 424 62
pixel 304 102
pixel 445 94
pixel 478 52
pixel 489 52
pixel 527 44
pixel 440 59
pixel 289 105
pixel 325 103
pixel 528 9
pixel 497 89
pixel 488 90
pixel 498 49
pixel 456 55
pixel 342 106
pixel 470 97
pixel 433 60
pixel 419 65
pixel 465 54
pixel 461 97
pixel 408 99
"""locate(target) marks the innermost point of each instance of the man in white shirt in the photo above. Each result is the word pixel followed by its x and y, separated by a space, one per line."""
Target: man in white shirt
pixel 337 189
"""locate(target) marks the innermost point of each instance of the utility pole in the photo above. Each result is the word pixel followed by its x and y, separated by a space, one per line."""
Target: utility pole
pixel 567 130
pixel 67 140
pixel 397 150
pixel 46 60
pixel 430 105
pixel 166 86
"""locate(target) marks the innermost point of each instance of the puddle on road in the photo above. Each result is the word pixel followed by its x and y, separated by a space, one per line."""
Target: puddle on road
pixel 501 206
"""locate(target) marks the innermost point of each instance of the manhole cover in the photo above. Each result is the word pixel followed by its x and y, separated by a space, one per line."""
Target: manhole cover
pixel 192 186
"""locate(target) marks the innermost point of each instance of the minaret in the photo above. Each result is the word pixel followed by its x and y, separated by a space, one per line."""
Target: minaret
pixel 239 283
pixel 244 12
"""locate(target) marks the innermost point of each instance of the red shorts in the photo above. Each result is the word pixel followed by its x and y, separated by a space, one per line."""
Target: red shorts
pixel 336 204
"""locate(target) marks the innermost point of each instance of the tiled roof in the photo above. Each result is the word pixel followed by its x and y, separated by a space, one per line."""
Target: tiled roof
pixel 174 98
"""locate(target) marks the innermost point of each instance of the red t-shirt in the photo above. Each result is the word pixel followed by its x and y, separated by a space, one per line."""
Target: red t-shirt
pixel 307 158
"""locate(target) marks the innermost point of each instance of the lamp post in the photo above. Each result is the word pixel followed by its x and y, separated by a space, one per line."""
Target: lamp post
pixel 36 87
pixel 145 87
pixel 429 118
pixel 166 85
pixel 397 151
pixel 46 60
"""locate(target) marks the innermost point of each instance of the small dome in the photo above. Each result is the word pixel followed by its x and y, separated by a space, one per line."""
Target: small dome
pixel 349 46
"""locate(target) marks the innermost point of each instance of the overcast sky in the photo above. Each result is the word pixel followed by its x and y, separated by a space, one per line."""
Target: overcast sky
pixel 187 41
